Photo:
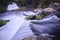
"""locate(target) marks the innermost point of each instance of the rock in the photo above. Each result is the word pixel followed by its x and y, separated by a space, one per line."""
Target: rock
pixel 56 6
pixel 40 37
pixel 3 22
pixel 49 9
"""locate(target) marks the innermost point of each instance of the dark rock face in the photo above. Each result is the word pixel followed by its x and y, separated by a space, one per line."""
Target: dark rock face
pixel 56 32
pixel 40 37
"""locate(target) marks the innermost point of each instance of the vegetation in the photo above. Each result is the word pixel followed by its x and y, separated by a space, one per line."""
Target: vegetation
pixel 3 22
pixel 37 17
pixel 34 3
pixel 4 4
pixel 47 2
pixel 31 17
pixel 27 3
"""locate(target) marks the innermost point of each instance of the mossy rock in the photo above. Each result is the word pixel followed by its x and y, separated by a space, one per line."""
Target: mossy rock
pixel 3 22
pixel 39 17
pixel 31 17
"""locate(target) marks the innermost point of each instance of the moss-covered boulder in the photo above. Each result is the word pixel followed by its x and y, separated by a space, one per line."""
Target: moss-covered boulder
pixel 31 17
pixel 34 17
pixel 39 17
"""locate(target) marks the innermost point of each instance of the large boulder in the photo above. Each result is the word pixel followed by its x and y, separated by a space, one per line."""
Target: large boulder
pixel 56 6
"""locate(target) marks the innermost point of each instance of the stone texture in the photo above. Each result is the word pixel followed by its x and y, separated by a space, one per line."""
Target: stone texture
pixel 37 38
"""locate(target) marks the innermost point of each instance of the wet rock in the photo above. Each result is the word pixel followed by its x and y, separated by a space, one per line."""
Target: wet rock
pixel 40 37
pixel 3 22
pixel 49 9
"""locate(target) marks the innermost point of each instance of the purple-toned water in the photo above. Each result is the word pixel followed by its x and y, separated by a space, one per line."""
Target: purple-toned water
pixel 19 26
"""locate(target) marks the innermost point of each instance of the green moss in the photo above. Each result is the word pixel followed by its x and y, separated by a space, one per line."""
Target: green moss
pixel 31 17
pixel 3 22
pixel 39 17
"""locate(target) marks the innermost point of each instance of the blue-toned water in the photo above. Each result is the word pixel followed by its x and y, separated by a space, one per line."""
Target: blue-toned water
pixel 18 27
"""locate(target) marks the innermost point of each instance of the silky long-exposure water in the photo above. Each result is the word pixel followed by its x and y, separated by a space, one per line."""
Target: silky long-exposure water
pixel 19 27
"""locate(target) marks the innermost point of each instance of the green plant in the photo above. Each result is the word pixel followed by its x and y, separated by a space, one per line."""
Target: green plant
pixel 3 22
